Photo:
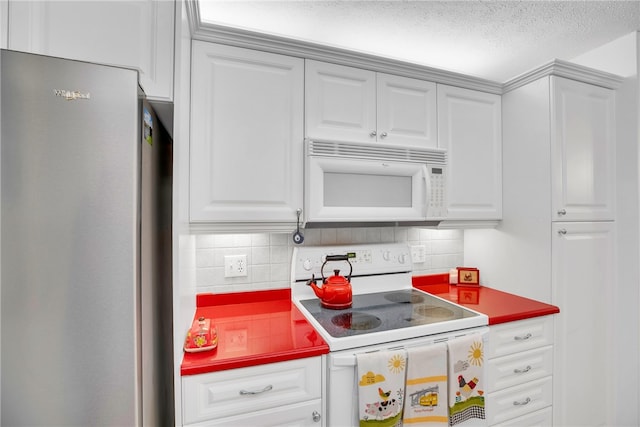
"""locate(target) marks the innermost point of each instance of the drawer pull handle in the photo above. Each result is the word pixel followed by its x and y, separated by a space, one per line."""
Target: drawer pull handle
pixel 521 402
pixel 522 337
pixel 522 371
pixel 251 393
pixel 316 416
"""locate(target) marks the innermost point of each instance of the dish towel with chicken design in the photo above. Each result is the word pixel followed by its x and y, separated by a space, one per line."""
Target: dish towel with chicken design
pixel 381 387
pixel 426 395
pixel 467 381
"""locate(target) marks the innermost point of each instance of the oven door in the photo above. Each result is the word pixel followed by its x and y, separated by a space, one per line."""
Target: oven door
pixel 351 190
pixel 342 389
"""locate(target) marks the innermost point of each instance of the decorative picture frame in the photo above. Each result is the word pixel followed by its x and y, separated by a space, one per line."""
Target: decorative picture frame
pixel 468 276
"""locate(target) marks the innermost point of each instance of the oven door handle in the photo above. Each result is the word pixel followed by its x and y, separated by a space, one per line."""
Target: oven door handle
pixel 346 359
pixel 350 360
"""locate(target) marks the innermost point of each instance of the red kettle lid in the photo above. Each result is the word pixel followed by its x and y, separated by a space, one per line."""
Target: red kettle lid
pixel 336 279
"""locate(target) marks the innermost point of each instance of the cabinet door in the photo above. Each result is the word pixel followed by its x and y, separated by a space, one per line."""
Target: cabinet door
pixel 406 111
pixel 235 393
pixel 133 34
pixel 519 400
pixel 246 135
pixel 340 102
pixel 583 283
pixel 305 414
pixel 583 144
pixel 470 129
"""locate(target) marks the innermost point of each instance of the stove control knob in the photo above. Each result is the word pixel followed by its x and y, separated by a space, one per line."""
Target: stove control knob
pixel 402 258
pixel 307 265
pixel 386 255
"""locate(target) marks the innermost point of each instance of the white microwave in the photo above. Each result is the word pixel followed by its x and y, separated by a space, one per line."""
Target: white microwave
pixel 373 183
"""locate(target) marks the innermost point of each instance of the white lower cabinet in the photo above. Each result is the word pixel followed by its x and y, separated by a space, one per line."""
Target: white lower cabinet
pixel 519 373
pixel 276 394
pixel 543 417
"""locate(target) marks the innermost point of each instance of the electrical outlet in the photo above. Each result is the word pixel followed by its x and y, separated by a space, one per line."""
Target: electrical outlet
pixel 418 253
pixel 235 265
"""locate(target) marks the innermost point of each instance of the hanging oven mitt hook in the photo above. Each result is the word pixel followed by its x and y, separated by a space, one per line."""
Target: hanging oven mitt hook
pixel 298 238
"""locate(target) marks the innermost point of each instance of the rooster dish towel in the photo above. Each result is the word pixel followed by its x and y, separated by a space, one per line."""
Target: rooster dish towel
pixel 425 401
pixel 466 381
pixel 381 387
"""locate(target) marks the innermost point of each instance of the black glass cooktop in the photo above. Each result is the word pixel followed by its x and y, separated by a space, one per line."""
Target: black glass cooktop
pixel 384 311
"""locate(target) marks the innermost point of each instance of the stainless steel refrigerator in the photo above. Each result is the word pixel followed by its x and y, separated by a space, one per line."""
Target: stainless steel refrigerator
pixel 85 279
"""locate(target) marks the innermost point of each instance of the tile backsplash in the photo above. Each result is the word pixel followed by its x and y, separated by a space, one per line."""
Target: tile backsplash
pixel 269 254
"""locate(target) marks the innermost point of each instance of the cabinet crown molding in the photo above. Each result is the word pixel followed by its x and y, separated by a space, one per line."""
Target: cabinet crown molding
pixel 568 70
pixel 222 34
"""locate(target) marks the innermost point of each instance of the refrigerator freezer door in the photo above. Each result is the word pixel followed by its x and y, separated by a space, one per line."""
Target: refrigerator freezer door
pixel 69 218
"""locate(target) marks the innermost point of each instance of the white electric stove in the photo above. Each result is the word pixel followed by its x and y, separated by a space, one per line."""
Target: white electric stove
pixel 387 312
pixel 386 307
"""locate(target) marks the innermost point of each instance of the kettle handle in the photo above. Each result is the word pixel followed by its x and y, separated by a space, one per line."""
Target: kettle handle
pixel 336 258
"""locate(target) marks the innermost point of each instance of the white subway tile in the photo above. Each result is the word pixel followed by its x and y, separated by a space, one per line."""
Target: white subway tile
pixel 269 255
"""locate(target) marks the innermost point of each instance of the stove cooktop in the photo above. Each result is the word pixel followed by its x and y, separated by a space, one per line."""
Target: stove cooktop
pixel 385 311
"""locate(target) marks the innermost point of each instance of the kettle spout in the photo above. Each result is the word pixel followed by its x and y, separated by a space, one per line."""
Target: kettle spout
pixel 316 290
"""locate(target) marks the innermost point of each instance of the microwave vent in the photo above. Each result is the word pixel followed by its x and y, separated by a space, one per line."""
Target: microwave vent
pixel 377 152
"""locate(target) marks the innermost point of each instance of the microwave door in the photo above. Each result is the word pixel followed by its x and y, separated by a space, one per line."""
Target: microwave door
pixel 350 189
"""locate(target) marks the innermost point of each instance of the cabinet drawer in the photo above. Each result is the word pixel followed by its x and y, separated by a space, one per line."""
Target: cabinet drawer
pixel 240 391
pixel 519 368
pixel 541 418
pixel 297 415
pixel 512 337
pixel 516 401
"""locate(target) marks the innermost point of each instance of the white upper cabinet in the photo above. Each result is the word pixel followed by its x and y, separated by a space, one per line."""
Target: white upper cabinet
pixel 583 144
pixel 246 135
pixel 352 104
pixel 4 23
pixel 470 129
pixel 340 102
pixel 135 34
pixel 406 111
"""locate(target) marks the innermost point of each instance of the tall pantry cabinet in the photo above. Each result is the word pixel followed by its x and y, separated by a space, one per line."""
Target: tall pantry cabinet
pixel 556 240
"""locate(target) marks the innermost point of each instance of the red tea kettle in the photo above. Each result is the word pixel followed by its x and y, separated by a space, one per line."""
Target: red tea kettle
pixel 336 290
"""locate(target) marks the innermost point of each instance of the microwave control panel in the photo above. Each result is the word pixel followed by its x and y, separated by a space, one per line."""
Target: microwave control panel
pixel 437 205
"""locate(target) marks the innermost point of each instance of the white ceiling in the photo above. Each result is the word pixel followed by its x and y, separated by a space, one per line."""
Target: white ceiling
pixel 495 40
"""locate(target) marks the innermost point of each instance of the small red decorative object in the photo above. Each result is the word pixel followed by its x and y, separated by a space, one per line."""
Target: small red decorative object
pixel 201 337
pixel 468 276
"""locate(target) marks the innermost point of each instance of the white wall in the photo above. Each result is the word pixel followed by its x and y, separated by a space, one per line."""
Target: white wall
pixel 622 57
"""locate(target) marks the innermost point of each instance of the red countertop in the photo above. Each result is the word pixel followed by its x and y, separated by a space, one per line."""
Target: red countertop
pixel 499 306
pixel 253 328
pixel 261 327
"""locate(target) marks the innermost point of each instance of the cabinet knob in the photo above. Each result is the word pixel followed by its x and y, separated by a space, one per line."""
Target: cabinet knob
pixel 316 416
pixel 562 212
pixel 383 134
pixel 373 133
pixel 562 232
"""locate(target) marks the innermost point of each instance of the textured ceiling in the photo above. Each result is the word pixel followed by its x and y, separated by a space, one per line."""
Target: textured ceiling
pixel 495 40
